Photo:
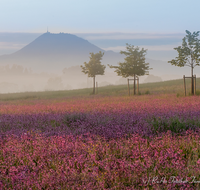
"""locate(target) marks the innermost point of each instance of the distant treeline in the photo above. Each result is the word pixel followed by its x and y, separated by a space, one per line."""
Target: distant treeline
pixel 20 70
pixel 14 70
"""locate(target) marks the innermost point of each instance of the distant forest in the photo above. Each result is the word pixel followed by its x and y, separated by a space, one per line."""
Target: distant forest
pixel 14 70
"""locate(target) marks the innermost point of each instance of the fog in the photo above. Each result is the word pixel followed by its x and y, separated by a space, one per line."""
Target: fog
pixel 16 78
pixel 52 62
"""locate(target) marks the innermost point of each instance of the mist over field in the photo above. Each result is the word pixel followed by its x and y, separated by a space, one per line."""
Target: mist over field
pixel 42 62
pixel 18 79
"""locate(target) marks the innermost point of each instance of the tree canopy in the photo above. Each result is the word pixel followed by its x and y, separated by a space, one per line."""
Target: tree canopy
pixel 189 52
pixel 134 64
pixel 94 67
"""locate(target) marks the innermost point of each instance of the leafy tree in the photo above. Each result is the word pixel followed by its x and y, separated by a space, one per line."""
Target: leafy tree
pixel 188 53
pixel 94 67
pixel 134 64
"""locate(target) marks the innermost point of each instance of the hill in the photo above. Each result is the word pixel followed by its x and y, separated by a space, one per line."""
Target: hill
pixel 53 52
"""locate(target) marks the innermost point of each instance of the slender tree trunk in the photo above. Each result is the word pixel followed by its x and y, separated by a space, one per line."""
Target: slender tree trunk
pixel 94 85
pixel 128 87
pixel 192 79
pixel 134 85
pixel 138 86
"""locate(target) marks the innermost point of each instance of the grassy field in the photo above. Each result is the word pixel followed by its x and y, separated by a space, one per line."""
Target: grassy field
pixel 166 87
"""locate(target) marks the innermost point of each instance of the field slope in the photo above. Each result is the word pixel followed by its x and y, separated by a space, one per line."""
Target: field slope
pixel 166 87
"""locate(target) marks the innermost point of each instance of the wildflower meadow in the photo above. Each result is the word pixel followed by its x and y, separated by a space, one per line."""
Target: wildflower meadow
pixel 101 142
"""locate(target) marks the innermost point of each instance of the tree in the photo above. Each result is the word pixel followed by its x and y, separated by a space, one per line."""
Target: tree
pixel 188 53
pixel 134 64
pixel 94 67
pixel 54 83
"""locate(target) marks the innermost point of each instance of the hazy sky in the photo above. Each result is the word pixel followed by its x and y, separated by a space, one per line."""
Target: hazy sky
pixel 79 16
pixel 156 25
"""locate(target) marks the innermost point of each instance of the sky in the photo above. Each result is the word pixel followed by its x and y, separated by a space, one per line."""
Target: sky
pixel 156 25
pixel 92 16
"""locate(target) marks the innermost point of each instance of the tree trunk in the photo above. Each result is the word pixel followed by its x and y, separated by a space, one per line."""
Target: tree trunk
pixel 96 88
pixel 192 79
pixel 94 85
pixel 128 87
pixel 134 85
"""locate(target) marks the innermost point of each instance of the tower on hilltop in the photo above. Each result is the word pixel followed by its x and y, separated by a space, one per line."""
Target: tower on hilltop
pixel 47 30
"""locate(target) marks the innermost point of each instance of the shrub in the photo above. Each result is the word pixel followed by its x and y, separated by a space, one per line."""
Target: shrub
pixel 74 117
pixel 198 92
pixel 147 92
pixel 175 125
